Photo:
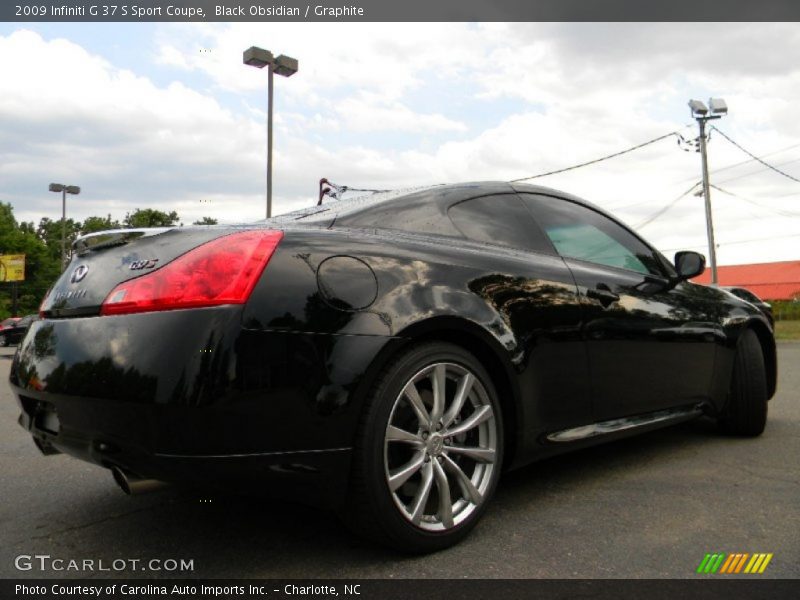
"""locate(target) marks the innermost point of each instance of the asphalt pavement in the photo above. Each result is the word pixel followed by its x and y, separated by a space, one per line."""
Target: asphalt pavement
pixel 647 507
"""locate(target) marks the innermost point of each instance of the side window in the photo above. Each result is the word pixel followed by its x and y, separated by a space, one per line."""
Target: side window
pixel 501 219
pixel 747 295
pixel 580 232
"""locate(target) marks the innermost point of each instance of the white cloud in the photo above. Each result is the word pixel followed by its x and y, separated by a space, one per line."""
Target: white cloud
pixel 68 115
pixel 379 57
pixel 473 102
pixel 370 112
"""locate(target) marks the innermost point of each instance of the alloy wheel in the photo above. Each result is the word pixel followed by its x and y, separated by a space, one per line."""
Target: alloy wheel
pixel 440 447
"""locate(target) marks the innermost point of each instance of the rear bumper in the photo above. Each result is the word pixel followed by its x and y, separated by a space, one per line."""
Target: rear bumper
pixel 190 396
pixel 315 477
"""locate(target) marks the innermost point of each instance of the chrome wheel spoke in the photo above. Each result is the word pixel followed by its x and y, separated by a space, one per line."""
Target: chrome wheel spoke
pixel 464 388
pixel 438 381
pixel 482 455
pixel 484 413
pixel 410 392
pixel 399 476
pixel 395 434
pixel 421 497
pixel 445 512
pixel 441 433
pixel 465 483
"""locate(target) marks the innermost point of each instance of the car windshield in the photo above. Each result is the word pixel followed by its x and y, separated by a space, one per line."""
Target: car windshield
pixel 745 295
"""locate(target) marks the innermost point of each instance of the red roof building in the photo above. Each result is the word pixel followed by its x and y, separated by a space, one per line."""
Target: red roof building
pixel 768 281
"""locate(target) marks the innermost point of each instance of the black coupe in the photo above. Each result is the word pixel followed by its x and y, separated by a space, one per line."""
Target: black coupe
pixel 386 356
pixel 14 330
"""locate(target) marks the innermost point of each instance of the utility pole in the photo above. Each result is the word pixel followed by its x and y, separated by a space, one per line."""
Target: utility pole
pixel 64 189
pixel 700 112
pixel 282 65
pixel 712 246
pixel 269 141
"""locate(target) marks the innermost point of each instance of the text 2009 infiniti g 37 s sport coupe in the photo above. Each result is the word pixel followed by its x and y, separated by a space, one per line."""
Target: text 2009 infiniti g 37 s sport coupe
pixel 386 356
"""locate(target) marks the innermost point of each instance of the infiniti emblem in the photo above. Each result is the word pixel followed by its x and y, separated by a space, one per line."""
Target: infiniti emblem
pixel 435 444
pixel 79 273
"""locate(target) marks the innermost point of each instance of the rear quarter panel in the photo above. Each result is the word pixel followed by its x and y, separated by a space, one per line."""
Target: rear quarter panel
pixel 523 306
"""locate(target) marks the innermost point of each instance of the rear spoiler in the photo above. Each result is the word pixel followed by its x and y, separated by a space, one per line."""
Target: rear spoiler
pixel 114 237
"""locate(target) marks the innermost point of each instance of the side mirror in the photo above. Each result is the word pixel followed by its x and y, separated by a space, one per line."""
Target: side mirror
pixel 689 264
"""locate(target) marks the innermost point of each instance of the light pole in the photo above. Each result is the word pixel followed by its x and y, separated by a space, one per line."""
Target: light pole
pixel 282 65
pixel 700 112
pixel 64 189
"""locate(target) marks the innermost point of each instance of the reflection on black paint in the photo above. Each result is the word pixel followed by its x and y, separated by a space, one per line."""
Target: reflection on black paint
pixel 24 371
pixel 211 383
pixel 532 307
pixel 101 379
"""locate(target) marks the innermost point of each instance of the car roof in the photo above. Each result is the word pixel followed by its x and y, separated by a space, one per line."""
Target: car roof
pixel 414 205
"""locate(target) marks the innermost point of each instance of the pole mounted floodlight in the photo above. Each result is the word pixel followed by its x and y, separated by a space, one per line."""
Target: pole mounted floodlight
pixel 285 65
pixel 282 65
pixel 257 57
pixel 698 108
pixel 718 109
pixel 718 106
pixel 64 189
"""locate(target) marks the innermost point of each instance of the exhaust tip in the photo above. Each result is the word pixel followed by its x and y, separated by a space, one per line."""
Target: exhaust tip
pixel 133 485
pixel 121 480
pixel 44 447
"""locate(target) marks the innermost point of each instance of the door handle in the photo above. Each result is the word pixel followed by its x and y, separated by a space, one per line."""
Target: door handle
pixel 603 294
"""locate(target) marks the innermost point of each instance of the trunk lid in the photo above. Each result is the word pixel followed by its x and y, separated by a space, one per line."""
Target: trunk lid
pixel 103 260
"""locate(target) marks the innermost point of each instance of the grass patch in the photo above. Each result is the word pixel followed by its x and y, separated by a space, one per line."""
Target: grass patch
pixel 787 330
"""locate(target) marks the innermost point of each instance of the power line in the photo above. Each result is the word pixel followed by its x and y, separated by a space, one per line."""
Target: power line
pixel 777 211
pixel 597 160
pixel 744 162
pixel 747 241
pixel 749 160
pixel 753 156
pixel 763 239
pixel 743 175
pixel 661 211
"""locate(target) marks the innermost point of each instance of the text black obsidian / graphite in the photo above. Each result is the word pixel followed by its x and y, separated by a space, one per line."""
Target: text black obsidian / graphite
pixel 256 11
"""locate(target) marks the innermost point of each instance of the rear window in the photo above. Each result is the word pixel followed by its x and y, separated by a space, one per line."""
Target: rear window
pixel 500 219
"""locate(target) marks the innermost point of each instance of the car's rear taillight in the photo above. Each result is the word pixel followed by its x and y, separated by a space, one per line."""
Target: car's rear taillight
pixel 223 271
pixel 42 303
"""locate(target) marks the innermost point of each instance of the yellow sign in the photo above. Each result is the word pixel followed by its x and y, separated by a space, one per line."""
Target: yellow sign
pixel 12 267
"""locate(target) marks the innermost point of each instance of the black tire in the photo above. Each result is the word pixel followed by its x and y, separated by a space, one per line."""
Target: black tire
pixel 746 410
pixel 3 341
pixel 377 511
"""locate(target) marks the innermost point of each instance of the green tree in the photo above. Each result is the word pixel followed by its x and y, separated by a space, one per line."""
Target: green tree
pixel 27 227
pixel 50 231
pixel 93 224
pixel 42 265
pixel 206 221
pixel 149 217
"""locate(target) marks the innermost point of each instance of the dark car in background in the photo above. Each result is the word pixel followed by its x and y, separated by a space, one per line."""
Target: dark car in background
pixel 5 323
pixel 15 330
pixel 750 297
pixel 386 356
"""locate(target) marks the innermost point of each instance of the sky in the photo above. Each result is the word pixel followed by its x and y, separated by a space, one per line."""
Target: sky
pixel 166 116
